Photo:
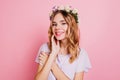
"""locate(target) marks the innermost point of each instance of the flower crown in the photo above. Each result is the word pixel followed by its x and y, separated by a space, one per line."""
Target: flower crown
pixel 68 9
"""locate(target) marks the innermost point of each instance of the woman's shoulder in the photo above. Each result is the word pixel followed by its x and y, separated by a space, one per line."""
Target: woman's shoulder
pixel 83 52
pixel 44 44
pixel 44 47
pixel 83 61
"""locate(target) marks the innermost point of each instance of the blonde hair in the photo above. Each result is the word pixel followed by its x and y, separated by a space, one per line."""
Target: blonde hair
pixel 72 35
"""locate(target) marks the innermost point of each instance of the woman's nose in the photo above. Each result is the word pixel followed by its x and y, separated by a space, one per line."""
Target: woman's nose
pixel 58 26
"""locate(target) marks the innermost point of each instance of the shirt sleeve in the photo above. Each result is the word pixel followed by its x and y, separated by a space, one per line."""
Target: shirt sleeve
pixel 83 63
pixel 43 48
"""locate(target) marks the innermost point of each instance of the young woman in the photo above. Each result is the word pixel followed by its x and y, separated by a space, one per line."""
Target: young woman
pixel 62 58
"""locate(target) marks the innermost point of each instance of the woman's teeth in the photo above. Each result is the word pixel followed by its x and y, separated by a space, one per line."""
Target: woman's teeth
pixel 59 33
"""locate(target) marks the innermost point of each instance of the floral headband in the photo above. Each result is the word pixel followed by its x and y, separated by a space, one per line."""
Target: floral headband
pixel 68 9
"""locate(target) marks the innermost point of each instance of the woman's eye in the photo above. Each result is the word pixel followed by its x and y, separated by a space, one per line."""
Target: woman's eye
pixel 63 23
pixel 54 24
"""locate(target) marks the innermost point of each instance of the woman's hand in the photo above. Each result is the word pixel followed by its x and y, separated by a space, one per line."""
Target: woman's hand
pixel 43 58
pixel 46 61
pixel 55 46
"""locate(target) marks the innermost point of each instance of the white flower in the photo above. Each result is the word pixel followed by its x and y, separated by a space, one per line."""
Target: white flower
pixel 61 7
pixel 78 20
pixel 51 12
pixel 67 8
pixel 54 8
pixel 75 11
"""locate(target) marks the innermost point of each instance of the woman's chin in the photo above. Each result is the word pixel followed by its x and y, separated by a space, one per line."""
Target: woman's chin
pixel 59 38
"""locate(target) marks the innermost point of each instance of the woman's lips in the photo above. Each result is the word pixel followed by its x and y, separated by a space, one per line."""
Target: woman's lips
pixel 59 33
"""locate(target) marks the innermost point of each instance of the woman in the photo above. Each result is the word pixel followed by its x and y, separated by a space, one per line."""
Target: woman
pixel 62 58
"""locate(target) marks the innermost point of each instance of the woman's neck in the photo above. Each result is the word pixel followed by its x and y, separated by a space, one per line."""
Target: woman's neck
pixel 63 49
pixel 64 43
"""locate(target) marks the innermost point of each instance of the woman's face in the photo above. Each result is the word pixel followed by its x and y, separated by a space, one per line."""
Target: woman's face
pixel 59 27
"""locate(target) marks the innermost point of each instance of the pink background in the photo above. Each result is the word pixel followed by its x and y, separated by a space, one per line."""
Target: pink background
pixel 24 25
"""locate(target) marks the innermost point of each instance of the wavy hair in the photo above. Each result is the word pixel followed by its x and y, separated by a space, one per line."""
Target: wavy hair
pixel 72 35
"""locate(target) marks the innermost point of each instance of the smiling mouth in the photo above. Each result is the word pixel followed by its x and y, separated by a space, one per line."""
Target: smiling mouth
pixel 59 33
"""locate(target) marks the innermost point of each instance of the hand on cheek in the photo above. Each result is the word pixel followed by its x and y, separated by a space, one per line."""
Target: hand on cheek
pixel 55 46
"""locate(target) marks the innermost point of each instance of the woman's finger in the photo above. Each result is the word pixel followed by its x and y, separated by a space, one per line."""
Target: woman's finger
pixel 58 44
pixel 45 54
pixel 41 63
pixel 41 55
pixel 52 38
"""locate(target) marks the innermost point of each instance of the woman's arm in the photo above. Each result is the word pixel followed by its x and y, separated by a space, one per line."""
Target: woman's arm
pixel 43 71
pixel 58 73
pixel 61 76
pixel 79 76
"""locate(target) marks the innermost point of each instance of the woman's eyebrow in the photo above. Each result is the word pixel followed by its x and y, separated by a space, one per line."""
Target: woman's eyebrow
pixel 59 21
pixel 62 21
pixel 53 22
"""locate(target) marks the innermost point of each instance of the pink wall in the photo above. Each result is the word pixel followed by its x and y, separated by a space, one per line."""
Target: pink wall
pixel 23 28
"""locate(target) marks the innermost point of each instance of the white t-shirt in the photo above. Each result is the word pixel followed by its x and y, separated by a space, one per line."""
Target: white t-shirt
pixel 82 63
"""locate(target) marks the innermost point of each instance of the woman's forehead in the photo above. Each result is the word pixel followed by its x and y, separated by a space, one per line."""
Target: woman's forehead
pixel 59 21
pixel 58 18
